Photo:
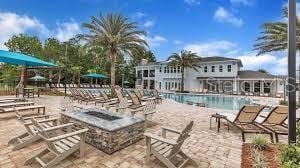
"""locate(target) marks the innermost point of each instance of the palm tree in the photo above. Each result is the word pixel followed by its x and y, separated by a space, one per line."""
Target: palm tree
pixel 116 34
pixel 186 59
pixel 274 36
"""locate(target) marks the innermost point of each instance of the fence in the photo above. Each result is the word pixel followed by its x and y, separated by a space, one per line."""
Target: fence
pixel 7 89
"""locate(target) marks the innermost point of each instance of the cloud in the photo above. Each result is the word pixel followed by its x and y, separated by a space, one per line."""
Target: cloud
pixel 149 23
pixel 242 2
pixel 67 30
pixel 223 16
pixel 177 42
pixel 138 15
pixel 214 48
pixel 12 24
pixel 154 41
pixel 271 63
pixel 192 2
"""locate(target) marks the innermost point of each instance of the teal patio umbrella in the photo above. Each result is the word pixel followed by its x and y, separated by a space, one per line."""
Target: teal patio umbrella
pixel 95 75
pixel 38 78
pixel 22 59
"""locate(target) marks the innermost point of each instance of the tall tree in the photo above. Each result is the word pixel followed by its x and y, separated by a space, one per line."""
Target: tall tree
pixel 185 59
pixel 274 36
pixel 115 33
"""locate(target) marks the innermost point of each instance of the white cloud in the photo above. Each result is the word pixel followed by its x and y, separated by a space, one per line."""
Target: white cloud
pixel 67 30
pixel 214 48
pixel 177 42
pixel 154 41
pixel 224 16
pixel 138 15
pixel 242 2
pixel 271 63
pixel 149 23
pixel 192 2
pixel 12 24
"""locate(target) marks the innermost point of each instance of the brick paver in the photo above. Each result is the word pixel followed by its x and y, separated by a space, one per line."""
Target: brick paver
pixel 207 147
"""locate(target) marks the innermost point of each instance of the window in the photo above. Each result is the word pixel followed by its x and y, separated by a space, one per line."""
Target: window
pixel 152 73
pixel 228 68
pixel 175 70
pixel 160 69
pixel 178 69
pixel 220 68
pixel 171 69
pixel 169 85
pixel 145 74
pixel 175 85
pixel 145 83
pixel 139 74
pixel 168 69
pixel 267 88
pixel 166 85
pixel 159 85
pixel 212 68
pixel 172 84
pixel 247 87
pixel 165 69
pixel 257 87
pixel 205 69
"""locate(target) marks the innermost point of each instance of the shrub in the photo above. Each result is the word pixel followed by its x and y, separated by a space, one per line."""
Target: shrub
pixel 290 155
pixel 259 142
pixel 258 159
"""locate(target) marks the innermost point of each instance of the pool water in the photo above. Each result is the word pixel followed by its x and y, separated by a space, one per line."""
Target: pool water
pixel 211 101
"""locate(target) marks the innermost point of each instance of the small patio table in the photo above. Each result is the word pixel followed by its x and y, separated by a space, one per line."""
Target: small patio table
pixel 218 118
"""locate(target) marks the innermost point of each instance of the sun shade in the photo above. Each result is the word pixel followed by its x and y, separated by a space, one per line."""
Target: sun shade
pixel 22 59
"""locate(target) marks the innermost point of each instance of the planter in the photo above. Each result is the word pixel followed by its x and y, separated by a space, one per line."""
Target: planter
pixel 270 155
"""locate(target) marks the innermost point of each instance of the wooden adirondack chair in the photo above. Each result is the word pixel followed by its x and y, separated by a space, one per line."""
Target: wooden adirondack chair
pixel 166 149
pixel 148 110
pixel 31 135
pixel 60 145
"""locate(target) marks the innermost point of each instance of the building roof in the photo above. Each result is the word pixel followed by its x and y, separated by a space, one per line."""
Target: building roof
pixel 254 74
pixel 202 59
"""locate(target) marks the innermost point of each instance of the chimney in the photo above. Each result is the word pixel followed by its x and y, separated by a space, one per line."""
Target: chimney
pixel 144 62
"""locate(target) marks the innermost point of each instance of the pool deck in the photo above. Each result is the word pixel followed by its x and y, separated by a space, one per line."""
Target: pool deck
pixel 207 147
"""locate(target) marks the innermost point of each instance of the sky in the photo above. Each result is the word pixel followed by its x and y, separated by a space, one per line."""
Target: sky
pixel 226 28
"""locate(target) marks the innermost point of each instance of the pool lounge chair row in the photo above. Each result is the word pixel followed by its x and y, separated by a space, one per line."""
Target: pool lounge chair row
pixel 57 85
pixel 250 120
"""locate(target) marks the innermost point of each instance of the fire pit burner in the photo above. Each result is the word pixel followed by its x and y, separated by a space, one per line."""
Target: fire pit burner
pixel 103 116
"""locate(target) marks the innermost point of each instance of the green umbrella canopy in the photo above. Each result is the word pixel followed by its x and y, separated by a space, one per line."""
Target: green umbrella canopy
pixel 95 75
pixel 22 59
pixel 38 77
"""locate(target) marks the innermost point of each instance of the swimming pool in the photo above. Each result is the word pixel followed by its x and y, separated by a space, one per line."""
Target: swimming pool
pixel 211 101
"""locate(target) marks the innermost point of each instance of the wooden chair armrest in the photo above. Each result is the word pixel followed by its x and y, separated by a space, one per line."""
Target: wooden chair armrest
pixel 68 135
pixel 161 139
pixel 164 128
pixel 42 121
pixel 58 127
pixel 36 117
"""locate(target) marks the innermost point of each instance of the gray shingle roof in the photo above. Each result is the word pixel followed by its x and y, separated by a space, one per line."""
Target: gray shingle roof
pixel 254 74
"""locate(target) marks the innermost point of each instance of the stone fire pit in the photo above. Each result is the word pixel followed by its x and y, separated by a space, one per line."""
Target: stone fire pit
pixel 108 131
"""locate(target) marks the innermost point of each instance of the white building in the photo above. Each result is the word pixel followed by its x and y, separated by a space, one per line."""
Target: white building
pixel 216 74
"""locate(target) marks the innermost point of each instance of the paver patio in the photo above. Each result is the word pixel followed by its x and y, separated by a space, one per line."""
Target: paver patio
pixel 207 147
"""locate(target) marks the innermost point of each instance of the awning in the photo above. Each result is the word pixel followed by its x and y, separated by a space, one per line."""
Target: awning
pixel 22 59
pixel 95 75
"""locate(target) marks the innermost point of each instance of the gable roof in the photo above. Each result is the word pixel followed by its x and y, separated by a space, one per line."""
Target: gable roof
pixel 254 74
